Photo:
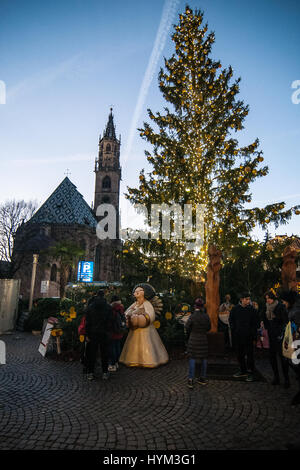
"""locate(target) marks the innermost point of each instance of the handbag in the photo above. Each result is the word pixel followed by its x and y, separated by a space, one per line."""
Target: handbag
pixel 287 343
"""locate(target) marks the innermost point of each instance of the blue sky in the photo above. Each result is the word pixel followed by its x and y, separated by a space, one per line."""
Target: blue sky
pixel 65 63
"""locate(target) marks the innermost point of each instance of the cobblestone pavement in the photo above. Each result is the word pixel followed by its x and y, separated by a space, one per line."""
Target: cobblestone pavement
pixel 48 404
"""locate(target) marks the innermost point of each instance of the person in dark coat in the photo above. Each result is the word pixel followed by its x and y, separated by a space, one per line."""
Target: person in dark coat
pixel 98 317
pixel 197 327
pixel 275 319
pixel 292 302
pixel 117 332
pixel 244 323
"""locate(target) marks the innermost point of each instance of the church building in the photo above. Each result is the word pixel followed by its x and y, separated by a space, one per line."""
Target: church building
pixel 65 216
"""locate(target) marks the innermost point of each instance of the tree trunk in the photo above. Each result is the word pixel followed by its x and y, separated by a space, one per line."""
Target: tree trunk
pixel 63 280
pixel 212 286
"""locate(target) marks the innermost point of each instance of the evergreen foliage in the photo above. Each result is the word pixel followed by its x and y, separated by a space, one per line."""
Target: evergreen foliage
pixel 196 156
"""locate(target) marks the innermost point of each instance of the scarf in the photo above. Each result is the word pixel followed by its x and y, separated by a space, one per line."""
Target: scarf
pixel 270 310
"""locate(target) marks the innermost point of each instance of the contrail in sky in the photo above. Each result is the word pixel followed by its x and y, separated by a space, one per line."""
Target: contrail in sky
pixel 167 17
pixel 43 78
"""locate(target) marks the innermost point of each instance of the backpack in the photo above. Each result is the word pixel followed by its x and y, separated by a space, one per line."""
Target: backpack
pixel 118 322
pixel 81 328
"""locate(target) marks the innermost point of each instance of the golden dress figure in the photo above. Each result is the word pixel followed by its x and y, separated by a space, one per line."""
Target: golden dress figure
pixel 143 346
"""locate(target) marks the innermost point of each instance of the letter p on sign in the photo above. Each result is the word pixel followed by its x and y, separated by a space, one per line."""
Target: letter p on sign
pixel 2 353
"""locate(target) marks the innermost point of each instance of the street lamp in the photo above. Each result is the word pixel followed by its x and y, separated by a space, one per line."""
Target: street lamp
pixel 34 265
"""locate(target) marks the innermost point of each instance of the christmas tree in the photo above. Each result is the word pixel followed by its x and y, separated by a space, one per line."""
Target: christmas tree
pixel 196 157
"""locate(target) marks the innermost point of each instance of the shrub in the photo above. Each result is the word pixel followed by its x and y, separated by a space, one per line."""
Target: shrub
pixel 68 322
pixel 42 309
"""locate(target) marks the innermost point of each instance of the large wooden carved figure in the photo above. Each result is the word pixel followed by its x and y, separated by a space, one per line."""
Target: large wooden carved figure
pixel 212 286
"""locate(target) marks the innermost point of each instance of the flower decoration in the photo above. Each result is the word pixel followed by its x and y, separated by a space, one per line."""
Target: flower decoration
pixel 57 332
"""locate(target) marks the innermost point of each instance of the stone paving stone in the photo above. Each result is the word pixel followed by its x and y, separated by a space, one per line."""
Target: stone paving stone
pixel 48 404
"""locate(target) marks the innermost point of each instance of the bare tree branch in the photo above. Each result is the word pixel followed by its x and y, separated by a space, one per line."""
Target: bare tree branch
pixel 12 215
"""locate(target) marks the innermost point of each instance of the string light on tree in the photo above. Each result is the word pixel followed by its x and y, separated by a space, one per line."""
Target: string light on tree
pixel 196 157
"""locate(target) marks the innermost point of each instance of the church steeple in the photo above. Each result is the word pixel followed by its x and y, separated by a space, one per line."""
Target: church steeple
pixel 110 132
pixel 107 191
pixel 107 167
pixel 109 148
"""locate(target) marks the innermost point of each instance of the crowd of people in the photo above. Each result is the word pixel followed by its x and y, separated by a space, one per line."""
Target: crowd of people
pixel 104 327
pixel 104 330
pixel 245 327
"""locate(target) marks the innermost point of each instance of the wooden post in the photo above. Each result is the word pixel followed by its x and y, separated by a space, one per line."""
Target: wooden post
pixel 58 344
pixel 34 265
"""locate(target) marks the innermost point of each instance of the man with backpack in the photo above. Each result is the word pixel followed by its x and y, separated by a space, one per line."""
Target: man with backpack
pixel 98 318
pixel 117 331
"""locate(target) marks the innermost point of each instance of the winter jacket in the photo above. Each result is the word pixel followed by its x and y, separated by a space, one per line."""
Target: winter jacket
pixel 117 309
pixel 197 327
pixel 276 326
pixel 244 323
pixel 98 317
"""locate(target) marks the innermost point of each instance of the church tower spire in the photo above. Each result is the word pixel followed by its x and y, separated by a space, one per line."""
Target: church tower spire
pixel 107 191
pixel 110 132
pixel 107 167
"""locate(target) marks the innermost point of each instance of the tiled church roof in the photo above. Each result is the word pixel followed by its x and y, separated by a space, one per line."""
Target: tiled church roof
pixel 65 206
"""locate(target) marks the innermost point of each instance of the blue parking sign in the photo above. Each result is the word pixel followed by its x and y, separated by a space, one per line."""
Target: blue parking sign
pixel 85 271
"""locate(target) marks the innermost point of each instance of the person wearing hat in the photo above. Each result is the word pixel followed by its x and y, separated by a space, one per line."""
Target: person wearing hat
pixel 98 317
pixel 223 321
pixel 197 327
pixel 244 323
pixel 275 319
pixel 143 346
pixel 292 302
pixel 117 331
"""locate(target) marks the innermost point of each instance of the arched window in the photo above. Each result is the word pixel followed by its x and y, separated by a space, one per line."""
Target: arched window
pixel 53 274
pixel 106 183
pixel 108 148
